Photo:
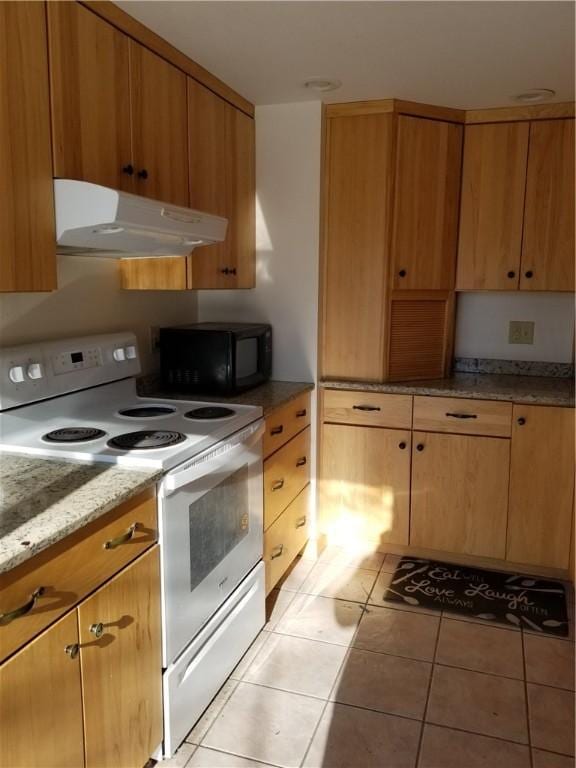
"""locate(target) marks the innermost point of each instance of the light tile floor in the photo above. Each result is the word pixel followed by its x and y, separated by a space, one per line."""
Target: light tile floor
pixel 339 678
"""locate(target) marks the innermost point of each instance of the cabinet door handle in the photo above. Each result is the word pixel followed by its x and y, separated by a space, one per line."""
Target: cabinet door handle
pixel 277 430
pixel 301 414
pixel 366 408
pixel 129 170
pixel 22 610
pixel 402 273
pixel 232 270
pixel 97 629
pixel 529 274
pixel 462 415
pixel 511 274
pixel 302 461
pixel 402 445
pixel 420 447
pixel 72 650
pixel 143 174
pixel 277 551
pixel 123 538
pixel 301 522
pixel 278 485
pixel 521 421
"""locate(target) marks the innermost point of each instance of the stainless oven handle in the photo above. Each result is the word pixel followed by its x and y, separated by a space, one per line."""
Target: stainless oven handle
pixel 202 465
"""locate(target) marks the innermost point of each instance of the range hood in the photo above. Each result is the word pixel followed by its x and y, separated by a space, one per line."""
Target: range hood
pixel 92 220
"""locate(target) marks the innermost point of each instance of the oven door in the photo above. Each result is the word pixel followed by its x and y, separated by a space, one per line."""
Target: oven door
pixel 210 533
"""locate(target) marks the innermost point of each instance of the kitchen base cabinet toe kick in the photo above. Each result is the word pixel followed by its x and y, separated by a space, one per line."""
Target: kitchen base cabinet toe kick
pixel 472 481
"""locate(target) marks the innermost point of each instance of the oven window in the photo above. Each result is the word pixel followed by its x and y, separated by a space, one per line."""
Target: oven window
pixel 219 520
pixel 246 358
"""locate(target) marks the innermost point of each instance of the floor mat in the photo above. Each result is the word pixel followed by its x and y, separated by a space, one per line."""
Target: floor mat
pixel 513 599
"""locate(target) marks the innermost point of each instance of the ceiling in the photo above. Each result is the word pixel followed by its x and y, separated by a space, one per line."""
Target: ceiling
pixel 460 54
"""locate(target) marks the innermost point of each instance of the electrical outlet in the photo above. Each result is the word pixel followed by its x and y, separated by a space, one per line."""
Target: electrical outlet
pixel 521 332
pixel 154 339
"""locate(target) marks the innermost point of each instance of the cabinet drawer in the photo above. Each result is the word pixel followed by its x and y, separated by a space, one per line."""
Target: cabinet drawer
pixel 461 416
pixel 370 409
pixel 286 422
pixel 285 474
pixel 71 569
pixel 286 537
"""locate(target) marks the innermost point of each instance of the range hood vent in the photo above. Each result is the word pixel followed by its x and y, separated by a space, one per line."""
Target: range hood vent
pixel 92 220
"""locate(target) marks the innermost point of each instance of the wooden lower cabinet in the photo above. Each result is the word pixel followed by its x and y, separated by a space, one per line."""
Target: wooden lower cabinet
pixel 286 537
pixel 121 669
pixel 541 486
pixel 460 493
pixel 41 702
pixel 365 484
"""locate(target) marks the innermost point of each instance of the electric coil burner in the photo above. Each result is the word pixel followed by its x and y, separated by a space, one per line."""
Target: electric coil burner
pixel 210 412
pixel 146 440
pixel 147 412
pixel 73 435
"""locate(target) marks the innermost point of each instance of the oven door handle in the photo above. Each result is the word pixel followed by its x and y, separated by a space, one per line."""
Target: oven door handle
pixel 212 459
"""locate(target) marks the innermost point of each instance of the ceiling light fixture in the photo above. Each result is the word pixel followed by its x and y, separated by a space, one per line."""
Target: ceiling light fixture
pixel 535 95
pixel 322 84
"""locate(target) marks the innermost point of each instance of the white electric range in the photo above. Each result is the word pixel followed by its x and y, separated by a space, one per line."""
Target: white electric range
pixel 76 400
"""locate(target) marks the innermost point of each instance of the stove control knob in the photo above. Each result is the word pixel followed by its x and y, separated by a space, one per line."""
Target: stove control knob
pixel 34 371
pixel 119 355
pixel 130 352
pixel 16 374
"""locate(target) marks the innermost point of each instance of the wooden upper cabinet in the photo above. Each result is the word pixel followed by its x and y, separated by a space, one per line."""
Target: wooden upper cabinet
pixel 90 91
pixel 425 229
pixel 541 486
pixel 492 206
pixel 222 182
pixel 357 203
pixel 159 127
pixel 27 233
pixel 548 246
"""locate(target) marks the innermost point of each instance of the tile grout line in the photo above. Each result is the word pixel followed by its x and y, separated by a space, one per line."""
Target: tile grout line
pixel 526 705
pixel 425 712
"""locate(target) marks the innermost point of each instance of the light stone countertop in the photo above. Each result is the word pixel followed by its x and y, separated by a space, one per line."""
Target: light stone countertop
pixel 533 390
pixel 42 501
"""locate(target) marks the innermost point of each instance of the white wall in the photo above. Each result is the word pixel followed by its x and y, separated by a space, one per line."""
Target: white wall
pixel 89 300
pixel 482 326
pixel 288 138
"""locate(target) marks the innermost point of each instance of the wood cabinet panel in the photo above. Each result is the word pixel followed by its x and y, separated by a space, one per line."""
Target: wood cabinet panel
pixel 159 127
pixel 166 274
pixel 27 231
pixel 541 486
pixel 548 245
pixel 460 493
pixel 121 670
pixel 286 537
pixel 285 422
pixel 369 409
pixel 365 484
pixel 425 228
pixel 463 416
pixel 492 206
pixel 357 217
pixel 285 474
pixel 90 93
pixel 222 181
pixel 41 702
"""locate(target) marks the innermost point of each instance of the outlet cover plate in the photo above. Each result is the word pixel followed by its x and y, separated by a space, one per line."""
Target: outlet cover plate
pixel 521 332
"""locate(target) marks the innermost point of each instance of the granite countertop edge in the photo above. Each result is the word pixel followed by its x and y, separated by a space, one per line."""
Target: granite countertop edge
pixel 506 388
pixel 59 499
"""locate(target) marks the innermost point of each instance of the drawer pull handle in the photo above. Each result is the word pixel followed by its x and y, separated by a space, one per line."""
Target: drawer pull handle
pixel 72 650
pixel 462 415
pixel 301 522
pixel 277 551
pixel 301 414
pixel 521 421
pixel 97 629
pixel 6 618
pixel 366 407
pixel 123 538
pixel 302 461
pixel 277 485
pixel 277 430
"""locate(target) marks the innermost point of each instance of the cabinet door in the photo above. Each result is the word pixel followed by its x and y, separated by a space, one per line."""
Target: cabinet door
pixel 122 669
pixel 459 493
pixel 425 239
pixel 365 484
pixel 222 181
pixel 159 127
pixel 492 206
pixel 548 245
pixel 41 702
pixel 90 92
pixel 27 237
pixel 541 486
pixel 357 195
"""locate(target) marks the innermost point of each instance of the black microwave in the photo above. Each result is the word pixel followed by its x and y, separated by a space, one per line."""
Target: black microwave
pixel 215 358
